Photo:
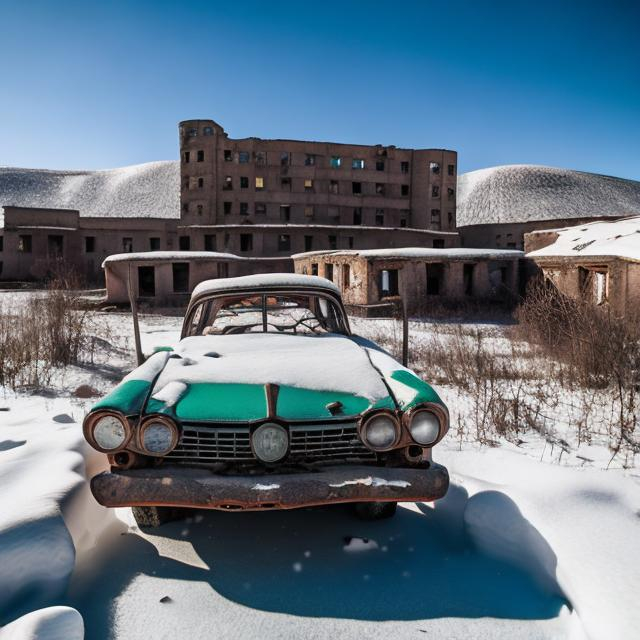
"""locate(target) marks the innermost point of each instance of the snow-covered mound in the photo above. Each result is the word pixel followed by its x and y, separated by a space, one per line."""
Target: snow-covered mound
pixel 528 193
pixel 150 190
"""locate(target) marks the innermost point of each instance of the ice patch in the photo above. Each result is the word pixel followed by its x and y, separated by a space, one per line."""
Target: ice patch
pixel 265 487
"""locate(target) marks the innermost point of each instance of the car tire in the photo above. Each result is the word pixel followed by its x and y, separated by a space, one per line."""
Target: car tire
pixel 149 517
pixel 375 510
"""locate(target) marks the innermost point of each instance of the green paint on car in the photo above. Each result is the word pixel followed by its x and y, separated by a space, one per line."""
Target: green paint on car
pixel 224 402
pixel 309 404
pixel 128 397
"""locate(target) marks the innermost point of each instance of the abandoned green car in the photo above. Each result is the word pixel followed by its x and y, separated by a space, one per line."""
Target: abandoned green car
pixel 268 402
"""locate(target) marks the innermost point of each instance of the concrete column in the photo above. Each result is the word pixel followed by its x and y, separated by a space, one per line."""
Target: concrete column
pixel 481 285
pixel 453 280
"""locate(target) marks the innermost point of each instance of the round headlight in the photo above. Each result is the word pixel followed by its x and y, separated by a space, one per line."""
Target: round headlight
pixel 109 432
pixel 270 442
pixel 379 432
pixel 425 427
pixel 157 438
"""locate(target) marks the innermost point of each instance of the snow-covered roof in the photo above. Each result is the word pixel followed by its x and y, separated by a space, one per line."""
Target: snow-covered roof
pixel 150 190
pixel 419 253
pixel 165 256
pixel 620 239
pixel 263 280
pixel 529 193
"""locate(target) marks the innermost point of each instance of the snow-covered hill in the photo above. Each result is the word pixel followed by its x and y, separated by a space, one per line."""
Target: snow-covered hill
pixel 150 190
pixel 528 193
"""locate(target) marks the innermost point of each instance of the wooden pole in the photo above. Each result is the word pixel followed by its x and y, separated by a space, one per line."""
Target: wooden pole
pixel 134 313
pixel 405 333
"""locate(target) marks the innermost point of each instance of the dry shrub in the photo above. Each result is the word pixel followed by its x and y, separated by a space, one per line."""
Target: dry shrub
pixel 48 331
pixel 497 383
pixel 597 349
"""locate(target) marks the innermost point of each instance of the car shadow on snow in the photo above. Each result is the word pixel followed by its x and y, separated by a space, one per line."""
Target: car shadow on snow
pixel 323 562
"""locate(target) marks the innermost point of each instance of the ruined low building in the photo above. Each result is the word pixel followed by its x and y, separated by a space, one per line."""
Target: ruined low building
pixel 167 278
pixel 420 276
pixel 598 262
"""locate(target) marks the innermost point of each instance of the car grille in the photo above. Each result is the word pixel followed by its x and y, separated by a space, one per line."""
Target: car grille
pixel 202 444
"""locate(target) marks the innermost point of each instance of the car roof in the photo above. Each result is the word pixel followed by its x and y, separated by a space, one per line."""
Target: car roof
pixel 264 281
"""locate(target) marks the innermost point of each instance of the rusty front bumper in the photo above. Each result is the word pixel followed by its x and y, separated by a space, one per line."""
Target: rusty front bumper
pixel 188 487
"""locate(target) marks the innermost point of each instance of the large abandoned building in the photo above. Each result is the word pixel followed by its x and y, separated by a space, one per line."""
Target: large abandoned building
pixel 252 197
pixel 423 277
pixel 597 262
pixel 276 197
pixel 497 206
pixel 259 198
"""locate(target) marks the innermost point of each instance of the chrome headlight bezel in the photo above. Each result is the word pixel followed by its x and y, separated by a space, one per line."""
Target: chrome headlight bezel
pixel 150 420
pixel 438 410
pixel 91 421
pixel 366 422
pixel 254 439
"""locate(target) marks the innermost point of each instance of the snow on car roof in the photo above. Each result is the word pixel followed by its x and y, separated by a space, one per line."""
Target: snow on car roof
pixel 420 252
pixel 263 280
pixel 620 238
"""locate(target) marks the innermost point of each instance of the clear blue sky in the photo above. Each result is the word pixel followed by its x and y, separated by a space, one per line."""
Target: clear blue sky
pixel 104 84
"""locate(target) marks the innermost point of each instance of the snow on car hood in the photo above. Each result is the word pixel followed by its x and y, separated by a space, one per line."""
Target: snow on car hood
pixel 321 363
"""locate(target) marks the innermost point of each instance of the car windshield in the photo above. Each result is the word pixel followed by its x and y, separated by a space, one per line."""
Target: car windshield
pixel 298 313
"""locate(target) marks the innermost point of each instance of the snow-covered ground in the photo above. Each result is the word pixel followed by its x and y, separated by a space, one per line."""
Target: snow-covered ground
pixel 523 546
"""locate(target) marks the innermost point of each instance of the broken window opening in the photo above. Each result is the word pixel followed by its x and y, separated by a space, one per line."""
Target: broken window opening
pixel 180 277
pixel 356 188
pixel 184 243
pixel 246 242
pixel 346 276
pixel 467 279
pixel 200 156
pixel 285 212
pixel 146 281
pixel 435 278
pixel 434 167
pixel 389 282
pixel 284 242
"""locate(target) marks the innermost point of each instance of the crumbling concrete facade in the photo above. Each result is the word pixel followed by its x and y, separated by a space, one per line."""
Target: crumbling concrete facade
pixel 608 277
pixel 36 242
pixel 254 196
pixel 421 277
pixel 167 278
